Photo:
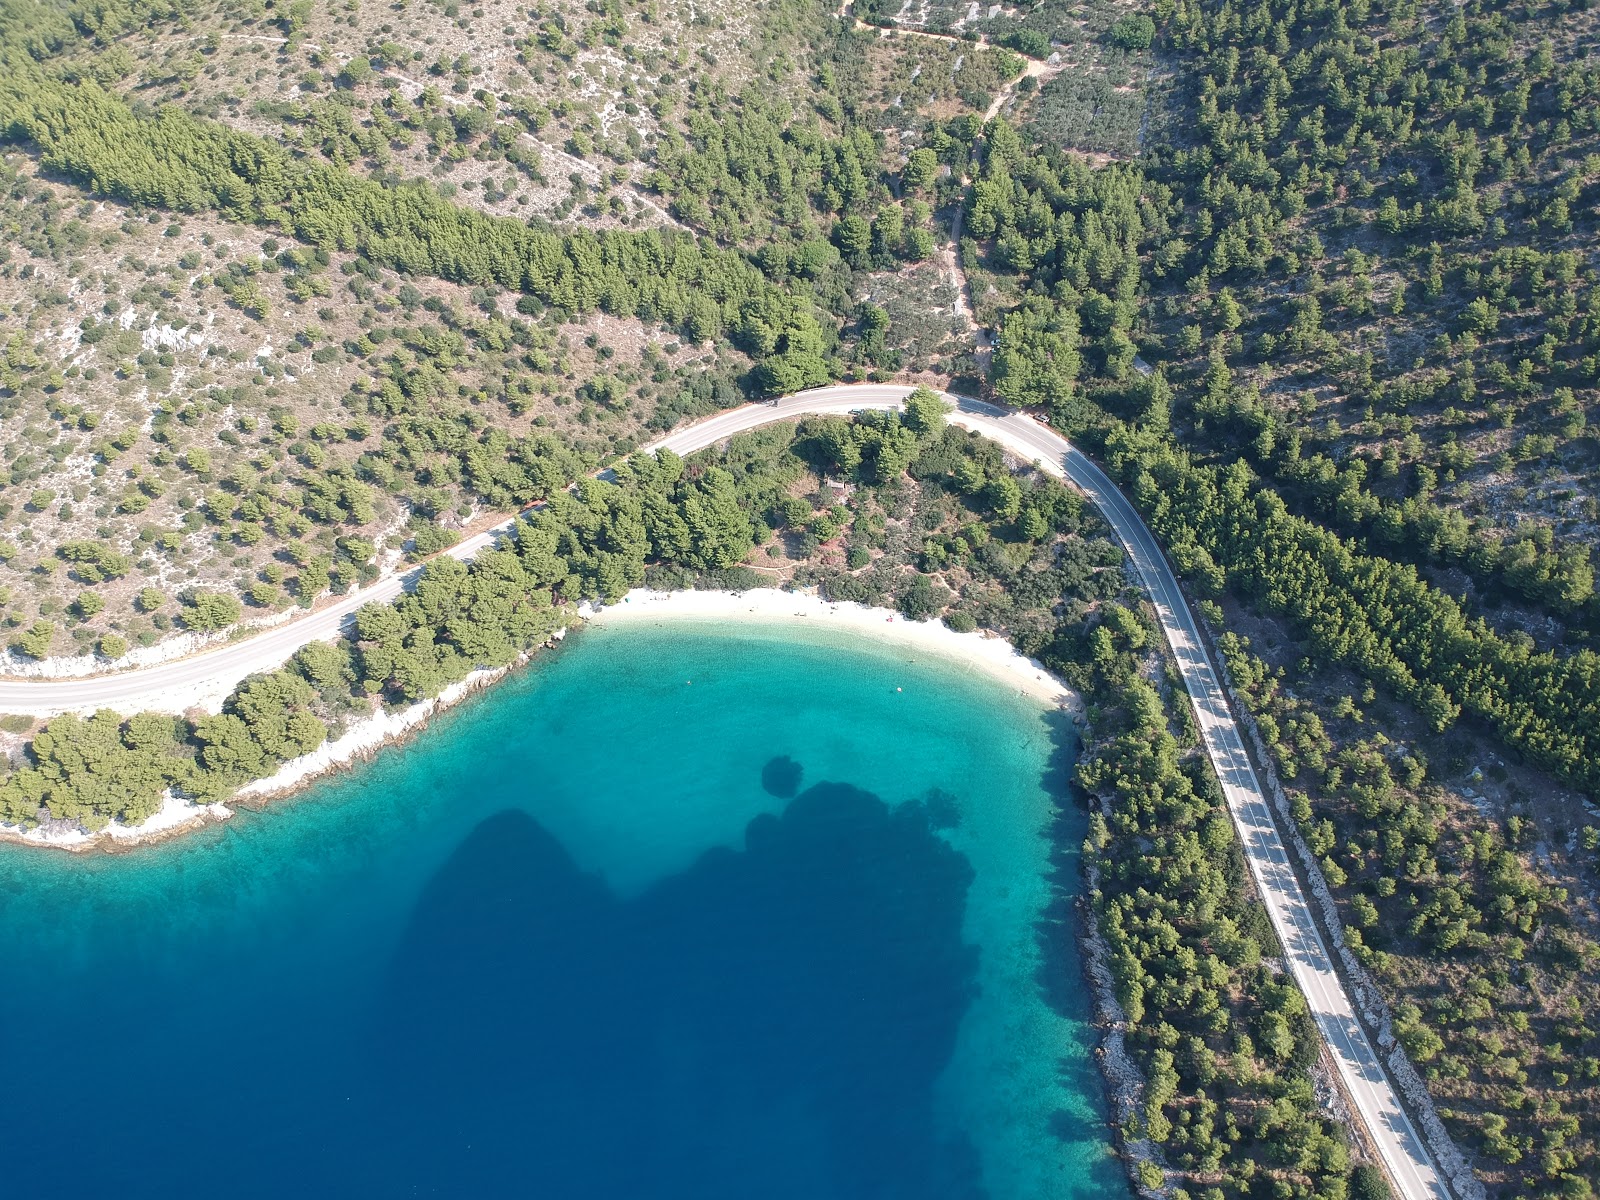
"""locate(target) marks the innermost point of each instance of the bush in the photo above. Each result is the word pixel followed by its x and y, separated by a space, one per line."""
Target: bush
pixel 1134 32
pixel 923 599
pixel 961 621
pixel 94 561
pixel 1030 42
pixel 210 610
pixel 430 539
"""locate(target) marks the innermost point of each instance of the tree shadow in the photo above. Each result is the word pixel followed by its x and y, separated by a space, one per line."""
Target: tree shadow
pixel 771 1021
pixel 781 777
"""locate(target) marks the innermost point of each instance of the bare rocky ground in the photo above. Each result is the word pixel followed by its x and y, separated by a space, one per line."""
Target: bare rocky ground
pixel 579 91
pixel 145 391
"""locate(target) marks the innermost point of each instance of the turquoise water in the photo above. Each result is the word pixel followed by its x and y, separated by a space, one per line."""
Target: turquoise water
pixel 677 911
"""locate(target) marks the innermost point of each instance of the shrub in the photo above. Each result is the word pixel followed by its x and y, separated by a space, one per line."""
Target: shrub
pixel 1134 32
pixel 923 599
pixel 35 643
pixel 961 621
pixel 1031 42
pixel 430 539
pixel 210 610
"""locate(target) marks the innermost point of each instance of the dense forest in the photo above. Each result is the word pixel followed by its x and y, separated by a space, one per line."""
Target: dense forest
pixel 1404 634
pixel 1383 276
pixel 1379 288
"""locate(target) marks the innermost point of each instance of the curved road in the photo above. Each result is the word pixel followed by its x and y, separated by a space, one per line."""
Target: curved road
pixel 1409 1165
pixel 206 679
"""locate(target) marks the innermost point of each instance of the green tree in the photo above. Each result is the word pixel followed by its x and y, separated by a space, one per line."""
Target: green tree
pixel 922 164
pixel 853 236
pixel 210 610
pixel 357 71
pixel 925 411
pixel 1133 32
pixel 719 530
pixel 35 641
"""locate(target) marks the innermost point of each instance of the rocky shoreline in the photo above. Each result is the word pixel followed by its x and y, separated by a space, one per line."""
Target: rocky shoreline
pixel 364 739
pixel 1123 1079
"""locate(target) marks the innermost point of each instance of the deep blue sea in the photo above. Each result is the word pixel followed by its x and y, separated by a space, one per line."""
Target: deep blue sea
pixel 675 912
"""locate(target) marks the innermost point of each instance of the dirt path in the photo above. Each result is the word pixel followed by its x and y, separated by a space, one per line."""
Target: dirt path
pixel 1042 71
pixel 982 342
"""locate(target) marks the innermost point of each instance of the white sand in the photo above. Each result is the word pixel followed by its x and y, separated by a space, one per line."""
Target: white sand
pixel 978 651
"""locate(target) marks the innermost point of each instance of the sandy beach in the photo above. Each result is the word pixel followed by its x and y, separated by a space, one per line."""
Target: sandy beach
pixel 978 652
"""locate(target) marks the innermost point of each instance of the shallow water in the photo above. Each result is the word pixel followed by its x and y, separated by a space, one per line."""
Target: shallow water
pixel 675 912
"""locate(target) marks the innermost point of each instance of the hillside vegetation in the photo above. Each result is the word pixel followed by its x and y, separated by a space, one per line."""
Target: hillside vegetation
pixel 1326 306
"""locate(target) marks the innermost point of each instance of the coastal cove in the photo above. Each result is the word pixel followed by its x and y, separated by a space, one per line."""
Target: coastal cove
pixel 976 651
pixel 759 907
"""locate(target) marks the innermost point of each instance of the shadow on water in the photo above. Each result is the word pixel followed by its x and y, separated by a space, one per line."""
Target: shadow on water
pixel 1061 974
pixel 781 777
pixel 770 1022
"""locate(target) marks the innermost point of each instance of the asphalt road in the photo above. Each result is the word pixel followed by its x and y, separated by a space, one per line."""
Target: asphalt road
pixel 206 678
pixel 213 673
